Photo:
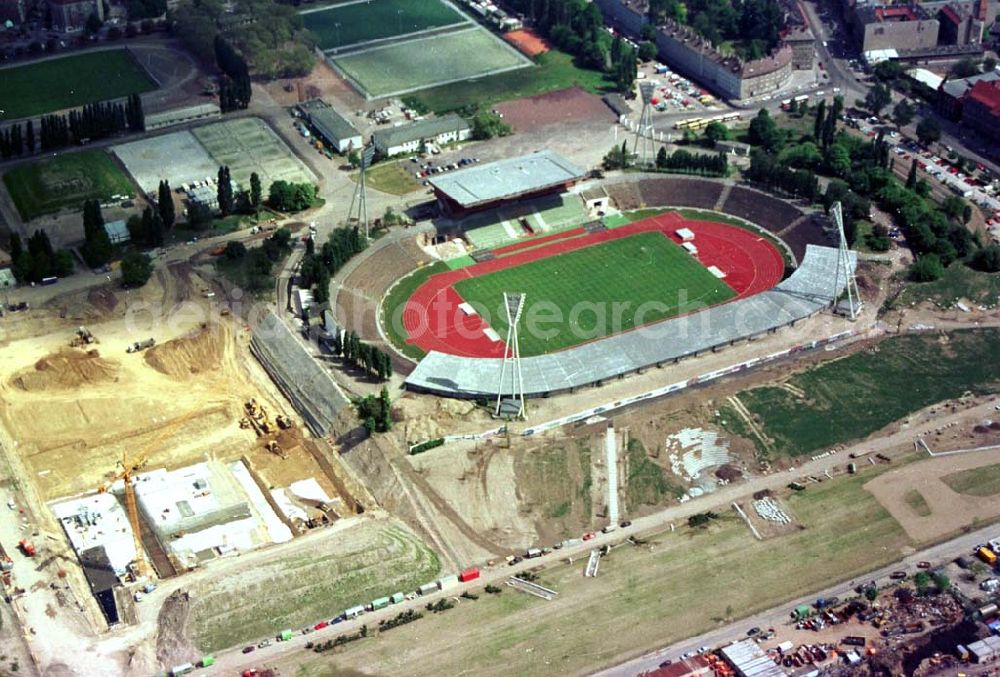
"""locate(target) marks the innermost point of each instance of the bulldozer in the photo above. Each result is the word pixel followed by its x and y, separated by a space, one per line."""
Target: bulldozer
pixel 82 337
pixel 257 418
pixel 283 421
pixel 276 449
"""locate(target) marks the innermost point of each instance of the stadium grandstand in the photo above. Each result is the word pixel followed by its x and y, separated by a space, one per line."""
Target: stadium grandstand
pixel 813 287
pixel 492 184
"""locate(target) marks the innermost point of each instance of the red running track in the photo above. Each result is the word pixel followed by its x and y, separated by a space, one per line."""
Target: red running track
pixel 433 320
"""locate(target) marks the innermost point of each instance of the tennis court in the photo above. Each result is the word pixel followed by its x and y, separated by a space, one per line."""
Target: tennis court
pixel 248 145
pixel 408 66
pixel 354 23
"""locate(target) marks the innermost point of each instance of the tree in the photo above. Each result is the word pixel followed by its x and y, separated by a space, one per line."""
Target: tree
pixel 93 24
pixel 716 131
pixel 165 205
pixel 255 191
pixel 989 64
pixel 928 131
pixel 926 269
pixel 661 158
pixel 97 246
pixel 922 581
pixel 878 97
pixel 136 269
pixel 486 125
pixel 647 51
pixel 902 113
pixel 965 68
pixel 839 160
pixel 911 178
pixel 29 138
pixel 987 259
pixel 199 215
pixel 291 197
pixel 941 582
pixel 764 132
pixel 224 191
pixel 234 250
pixel 820 120
pixel 871 593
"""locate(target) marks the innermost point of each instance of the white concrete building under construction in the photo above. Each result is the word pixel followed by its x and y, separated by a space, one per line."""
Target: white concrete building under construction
pixel 407 138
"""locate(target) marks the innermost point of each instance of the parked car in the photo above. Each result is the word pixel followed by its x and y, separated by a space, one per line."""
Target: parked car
pixel 264 643
pixel 923 565
pixel 589 535
pixel 248 649
pixel 897 575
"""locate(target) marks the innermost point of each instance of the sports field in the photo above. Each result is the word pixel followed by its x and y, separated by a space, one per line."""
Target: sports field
pixel 56 84
pixel 645 272
pixel 46 186
pixel 248 145
pixel 416 64
pixel 356 22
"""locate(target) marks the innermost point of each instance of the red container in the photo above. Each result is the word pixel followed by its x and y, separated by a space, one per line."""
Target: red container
pixel 469 575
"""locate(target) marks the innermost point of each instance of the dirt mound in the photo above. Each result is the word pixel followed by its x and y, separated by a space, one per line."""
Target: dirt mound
pixel 182 357
pixel 67 369
pixel 173 644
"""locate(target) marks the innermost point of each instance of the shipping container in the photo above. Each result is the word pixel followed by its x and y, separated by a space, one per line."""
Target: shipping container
pixel 380 603
pixel 181 669
pixel 49 280
pixel 447 582
pixel 988 611
pixel 397 598
pixel 207 661
pixel 354 612
pixel 285 636
pixel 987 555
pixel 470 574
pixel 427 588
pixel 569 543
pixel 533 552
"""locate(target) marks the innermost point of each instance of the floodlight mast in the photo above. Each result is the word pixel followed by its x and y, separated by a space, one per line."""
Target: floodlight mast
pixel 844 268
pixel 644 131
pixel 360 196
pixel 513 306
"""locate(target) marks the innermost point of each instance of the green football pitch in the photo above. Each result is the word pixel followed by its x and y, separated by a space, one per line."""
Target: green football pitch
pixel 596 291
pixel 352 23
pixel 56 84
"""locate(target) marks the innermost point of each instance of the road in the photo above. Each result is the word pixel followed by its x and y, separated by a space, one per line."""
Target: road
pixel 779 615
pixel 649 526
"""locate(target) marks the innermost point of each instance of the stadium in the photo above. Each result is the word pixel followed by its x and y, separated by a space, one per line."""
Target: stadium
pixel 619 275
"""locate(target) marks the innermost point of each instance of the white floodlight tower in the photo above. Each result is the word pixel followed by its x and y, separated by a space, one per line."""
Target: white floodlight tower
pixel 513 305
pixel 644 133
pixel 360 197
pixel 844 266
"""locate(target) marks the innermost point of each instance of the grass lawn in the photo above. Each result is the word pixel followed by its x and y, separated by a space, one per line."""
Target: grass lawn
pixel 676 586
pixel 391 177
pixel 397 297
pixel 56 84
pixel 647 483
pixel 47 186
pixel 558 477
pixel 375 19
pixel 958 282
pixel 597 291
pixel 400 67
pixel 983 481
pixel 917 503
pixel 363 563
pixel 555 70
pixel 850 398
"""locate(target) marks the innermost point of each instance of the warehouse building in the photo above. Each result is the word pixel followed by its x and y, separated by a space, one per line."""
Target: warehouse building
pixel 985 650
pixel 333 128
pixel 487 185
pixel 408 138
pixel 749 660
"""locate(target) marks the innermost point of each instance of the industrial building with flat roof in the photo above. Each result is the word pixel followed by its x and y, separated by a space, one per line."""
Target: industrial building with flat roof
pixel 750 660
pixel 484 186
pixel 407 138
pixel 335 130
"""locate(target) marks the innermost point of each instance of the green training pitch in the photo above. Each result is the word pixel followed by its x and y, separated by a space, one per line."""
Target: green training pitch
pixel 357 22
pixel 46 186
pixel 425 62
pixel 597 291
pixel 71 81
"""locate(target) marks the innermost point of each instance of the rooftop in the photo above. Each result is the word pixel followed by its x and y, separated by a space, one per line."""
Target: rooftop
pixel 958 87
pixel 329 122
pixel 415 131
pixel 750 660
pixel 987 92
pixel 926 77
pixel 98 521
pixel 507 178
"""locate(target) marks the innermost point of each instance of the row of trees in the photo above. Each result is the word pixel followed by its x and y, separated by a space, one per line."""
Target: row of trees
pixel 234 85
pixel 286 196
pixel 253 267
pixel 39 260
pixel 147 231
pixel 753 27
pixel 574 26
pixel 374 361
pixel 685 162
pixel 376 412
pixel 94 121
pixel 766 170
pixel 97 248
pixel 318 267
pixel 624 69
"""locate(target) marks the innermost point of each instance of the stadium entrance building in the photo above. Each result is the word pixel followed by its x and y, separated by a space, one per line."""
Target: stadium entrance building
pixel 489 185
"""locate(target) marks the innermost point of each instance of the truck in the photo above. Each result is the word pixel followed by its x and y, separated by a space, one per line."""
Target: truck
pixel 533 552
pixel 139 346
pixel 987 555
pixel 801 612
pixel 469 574
pixel 853 640
pixel 181 669
pixel 285 636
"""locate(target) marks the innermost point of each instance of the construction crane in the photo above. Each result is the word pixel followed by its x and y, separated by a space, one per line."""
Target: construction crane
pixel 130 466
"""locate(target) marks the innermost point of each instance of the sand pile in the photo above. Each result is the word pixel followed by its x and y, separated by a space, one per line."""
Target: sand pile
pixel 67 369
pixel 182 357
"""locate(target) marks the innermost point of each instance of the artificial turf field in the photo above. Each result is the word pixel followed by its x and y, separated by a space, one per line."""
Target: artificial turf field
pixel 56 84
pixel 584 286
pixel 376 19
pixel 46 186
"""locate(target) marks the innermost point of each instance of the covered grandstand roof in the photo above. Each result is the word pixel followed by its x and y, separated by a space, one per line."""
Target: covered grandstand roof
pixel 506 179
pixel 806 292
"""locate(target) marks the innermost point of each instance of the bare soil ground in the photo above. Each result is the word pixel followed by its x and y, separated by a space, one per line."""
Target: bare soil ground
pixel 323 82
pixel 950 510
pixel 566 106
pixel 528 42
